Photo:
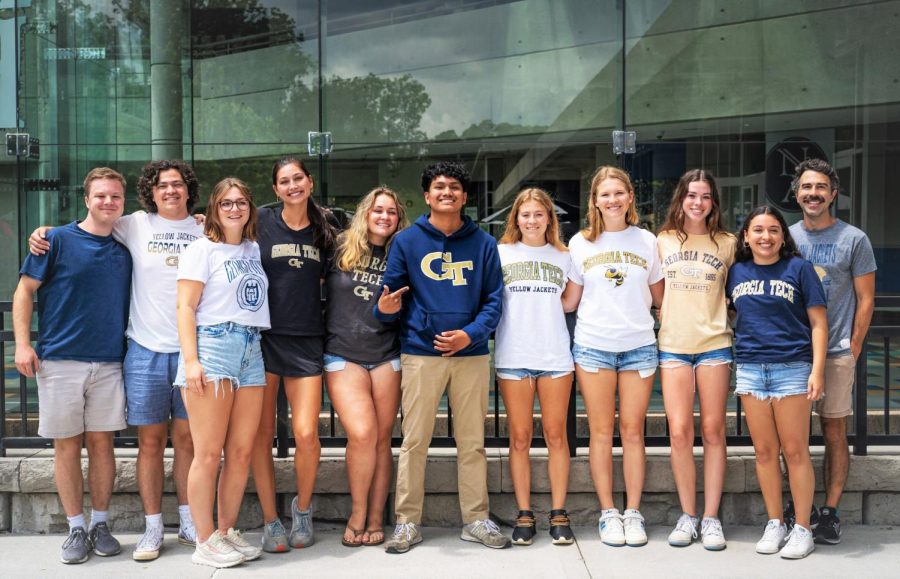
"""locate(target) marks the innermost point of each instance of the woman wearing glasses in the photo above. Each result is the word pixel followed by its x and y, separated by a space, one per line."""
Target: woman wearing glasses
pixel 222 308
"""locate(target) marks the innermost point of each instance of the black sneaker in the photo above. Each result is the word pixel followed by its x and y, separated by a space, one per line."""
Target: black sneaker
pixel 76 548
pixel 524 532
pixel 790 517
pixel 828 530
pixel 560 530
pixel 102 541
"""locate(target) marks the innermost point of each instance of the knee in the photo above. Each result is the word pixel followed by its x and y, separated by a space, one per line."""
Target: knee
pixel 182 442
pixel 834 431
pixel 555 437
pixel 520 439
pixel 632 434
pixel 795 453
pixel 681 437
pixel 152 446
pixel 307 438
pixel 99 444
pixel 713 433
pixel 265 432
pixel 363 436
pixel 766 455
pixel 239 454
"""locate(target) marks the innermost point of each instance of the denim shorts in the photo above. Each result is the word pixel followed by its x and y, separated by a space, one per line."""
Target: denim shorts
pixel 772 380
pixel 228 351
pixel 643 359
pixel 150 397
pixel 522 373
pixel 335 363
pixel 710 358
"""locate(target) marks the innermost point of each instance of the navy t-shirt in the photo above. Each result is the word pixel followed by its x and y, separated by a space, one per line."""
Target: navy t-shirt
pixel 83 297
pixel 771 301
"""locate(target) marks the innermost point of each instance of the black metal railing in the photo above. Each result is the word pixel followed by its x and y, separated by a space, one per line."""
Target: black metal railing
pixel 872 425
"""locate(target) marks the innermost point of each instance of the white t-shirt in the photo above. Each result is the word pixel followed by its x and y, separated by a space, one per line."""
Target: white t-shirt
pixel 235 287
pixel 616 271
pixel 155 244
pixel 532 332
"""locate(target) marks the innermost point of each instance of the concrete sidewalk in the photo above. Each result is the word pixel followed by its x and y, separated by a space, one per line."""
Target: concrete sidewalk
pixel 869 551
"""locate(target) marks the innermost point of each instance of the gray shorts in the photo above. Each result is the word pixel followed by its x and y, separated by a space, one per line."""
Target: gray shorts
pixel 76 397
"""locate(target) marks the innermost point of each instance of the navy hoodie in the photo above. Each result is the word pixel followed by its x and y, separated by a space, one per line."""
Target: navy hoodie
pixel 455 283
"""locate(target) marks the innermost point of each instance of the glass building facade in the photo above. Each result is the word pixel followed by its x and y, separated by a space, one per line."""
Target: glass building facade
pixel 525 92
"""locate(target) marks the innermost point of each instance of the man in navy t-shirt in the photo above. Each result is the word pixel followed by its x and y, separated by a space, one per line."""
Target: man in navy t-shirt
pixel 82 284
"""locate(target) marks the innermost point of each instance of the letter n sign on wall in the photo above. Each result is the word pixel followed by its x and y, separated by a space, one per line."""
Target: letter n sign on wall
pixel 780 163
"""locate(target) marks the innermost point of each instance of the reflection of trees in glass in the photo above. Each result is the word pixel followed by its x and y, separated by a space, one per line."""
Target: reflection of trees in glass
pixel 371 108
pixel 488 128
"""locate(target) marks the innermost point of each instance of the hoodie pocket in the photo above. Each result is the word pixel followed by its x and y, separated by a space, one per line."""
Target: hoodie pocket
pixel 437 322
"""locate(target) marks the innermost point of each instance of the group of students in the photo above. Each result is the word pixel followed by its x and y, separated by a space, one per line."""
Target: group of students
pixel 408 315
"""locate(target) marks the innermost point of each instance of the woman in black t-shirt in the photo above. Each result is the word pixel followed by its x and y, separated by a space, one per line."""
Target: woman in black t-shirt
pixel 362 360
pixel 295 242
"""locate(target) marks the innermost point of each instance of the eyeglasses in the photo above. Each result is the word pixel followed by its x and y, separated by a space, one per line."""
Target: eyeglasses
pixel 228 204
pixel 172 184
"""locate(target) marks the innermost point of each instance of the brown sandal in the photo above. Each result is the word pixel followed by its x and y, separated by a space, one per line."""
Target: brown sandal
pixel 356 533
pixel 371 543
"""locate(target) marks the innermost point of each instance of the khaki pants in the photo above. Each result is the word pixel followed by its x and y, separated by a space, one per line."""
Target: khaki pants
pixel 424 380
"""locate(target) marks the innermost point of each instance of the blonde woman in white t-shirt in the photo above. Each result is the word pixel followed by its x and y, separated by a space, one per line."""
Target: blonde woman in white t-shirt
pixel 695 349
pixel 532 353
pixel 617 269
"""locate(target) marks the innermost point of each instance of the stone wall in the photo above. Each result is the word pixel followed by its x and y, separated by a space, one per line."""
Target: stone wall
pixel 28 502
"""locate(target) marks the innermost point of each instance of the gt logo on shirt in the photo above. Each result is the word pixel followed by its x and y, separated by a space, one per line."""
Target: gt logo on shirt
pixel 449 269
pixel 362 292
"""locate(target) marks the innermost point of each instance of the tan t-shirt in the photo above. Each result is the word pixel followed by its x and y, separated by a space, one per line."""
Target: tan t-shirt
pixel 694 317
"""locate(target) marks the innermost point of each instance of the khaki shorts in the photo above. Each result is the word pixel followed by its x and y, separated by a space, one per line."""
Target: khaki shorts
pixel 839 376
pixel 76 397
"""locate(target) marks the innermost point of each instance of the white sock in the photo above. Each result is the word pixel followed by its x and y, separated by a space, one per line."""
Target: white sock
pixel 98 517
pixel 184 515
pixel 77 521
pixel 154 521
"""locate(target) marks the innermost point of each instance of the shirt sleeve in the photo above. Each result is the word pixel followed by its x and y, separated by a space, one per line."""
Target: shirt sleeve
pixel 574 256
pixel 654 272
pixel 122 226
pixel 479 330
pixel 811 286
pixel 863 259
pixel 193 264
pixel 40 267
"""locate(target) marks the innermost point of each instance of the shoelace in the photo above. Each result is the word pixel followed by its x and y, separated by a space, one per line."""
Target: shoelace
pixel 634 519
pixel 188 530
pixel 559 521
pixel 686 525
pixel 772 529
pixel 404 530
pixel 797 534
pixel 151 538
pixel 235 537
pixel 524 521
pixel 276 529
pixel 304 520
pixel 712 527
pixel 490 525
pixel 78 533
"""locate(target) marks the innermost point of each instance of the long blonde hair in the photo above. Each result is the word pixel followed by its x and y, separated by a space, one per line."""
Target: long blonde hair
pixel 595 218
pixel 354 249
pixel 513 234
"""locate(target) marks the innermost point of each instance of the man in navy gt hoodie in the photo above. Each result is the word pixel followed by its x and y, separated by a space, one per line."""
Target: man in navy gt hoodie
pixel 448 293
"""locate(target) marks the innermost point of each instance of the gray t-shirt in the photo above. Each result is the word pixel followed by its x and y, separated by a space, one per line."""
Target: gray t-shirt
pixel 839 253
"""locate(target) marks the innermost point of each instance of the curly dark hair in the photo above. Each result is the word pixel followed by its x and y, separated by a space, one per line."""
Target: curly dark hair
pixel 819 166
pixel 450 169
pixel 150 177
pixel 787 251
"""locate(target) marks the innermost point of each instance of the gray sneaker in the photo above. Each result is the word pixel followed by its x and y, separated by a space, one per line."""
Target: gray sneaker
pixel 274 539
pixel 405 537
pixel 103 542
pixel 76 548
pixel 485 532
pixel 301 527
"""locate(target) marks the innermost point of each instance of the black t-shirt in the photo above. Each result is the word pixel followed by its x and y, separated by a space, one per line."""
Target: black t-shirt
pixel 353 331
pixel 295 268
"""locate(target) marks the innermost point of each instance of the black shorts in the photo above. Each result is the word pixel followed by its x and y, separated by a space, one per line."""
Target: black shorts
pixel 293 356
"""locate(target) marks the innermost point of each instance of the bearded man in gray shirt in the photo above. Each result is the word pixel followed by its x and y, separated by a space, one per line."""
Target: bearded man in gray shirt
pixel 842 256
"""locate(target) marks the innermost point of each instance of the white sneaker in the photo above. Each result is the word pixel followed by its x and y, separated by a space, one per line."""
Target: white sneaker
pixel 772 538
pixel 799 543
pixel 612 530
pixel 149 545
pixel 240 545
pixel 685 531
pixel 711 534
pixel 187 533
pixel 216 552
pixel 635 535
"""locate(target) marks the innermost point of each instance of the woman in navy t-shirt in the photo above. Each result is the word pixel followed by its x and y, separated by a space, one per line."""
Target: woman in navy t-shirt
pixel 781 338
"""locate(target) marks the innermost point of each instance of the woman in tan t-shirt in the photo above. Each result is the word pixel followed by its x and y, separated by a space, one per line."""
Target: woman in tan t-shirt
pixel 695 348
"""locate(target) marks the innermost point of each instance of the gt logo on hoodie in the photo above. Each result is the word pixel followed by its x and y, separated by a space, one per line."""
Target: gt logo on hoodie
pixel 449 269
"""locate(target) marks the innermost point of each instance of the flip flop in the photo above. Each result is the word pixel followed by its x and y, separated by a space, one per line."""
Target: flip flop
pixel 374 543
pixel 356 533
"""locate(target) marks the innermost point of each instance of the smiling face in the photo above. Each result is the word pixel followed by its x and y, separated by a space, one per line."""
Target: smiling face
pixel 234 211
pixel 292 185
pixel 814 193
pixel 445 195
pixel 613 200
pixel 105 201
pixel 383 219
pixel 765 238
pixel 698 203
pixel 533 221
pixel 171 194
